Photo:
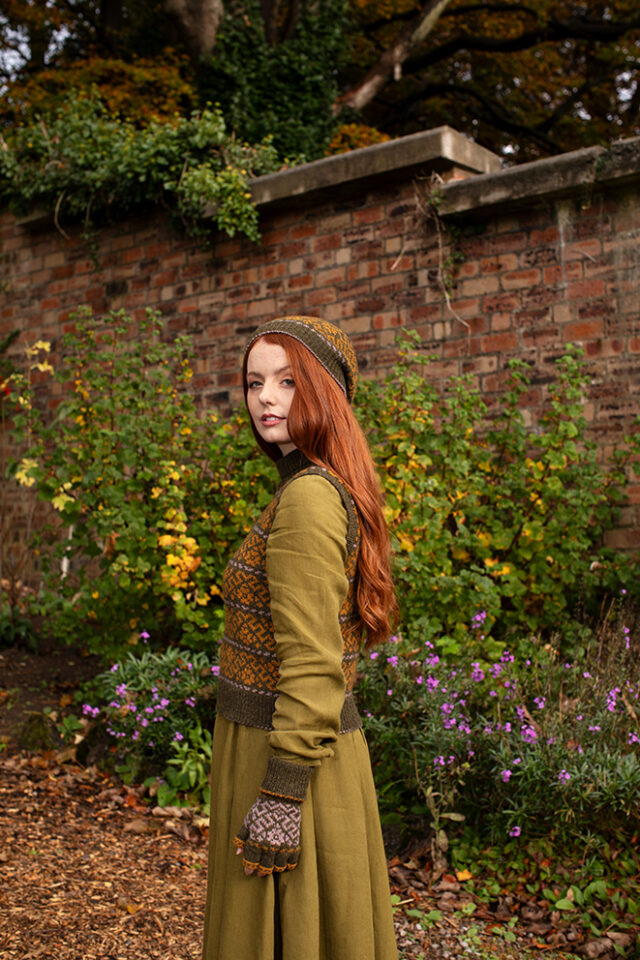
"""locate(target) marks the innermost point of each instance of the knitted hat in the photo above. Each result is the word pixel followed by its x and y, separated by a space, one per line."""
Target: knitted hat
pixel 328 344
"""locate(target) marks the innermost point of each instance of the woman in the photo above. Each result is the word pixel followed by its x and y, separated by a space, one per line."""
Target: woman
pixel 296 864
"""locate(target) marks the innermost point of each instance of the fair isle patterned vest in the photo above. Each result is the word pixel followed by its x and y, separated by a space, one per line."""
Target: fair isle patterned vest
pixel 249 669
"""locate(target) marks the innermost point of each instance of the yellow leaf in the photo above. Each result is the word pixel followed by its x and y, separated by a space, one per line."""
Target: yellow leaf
pixel 462 875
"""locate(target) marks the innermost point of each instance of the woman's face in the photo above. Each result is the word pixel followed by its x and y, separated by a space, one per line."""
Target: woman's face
pixel 270 390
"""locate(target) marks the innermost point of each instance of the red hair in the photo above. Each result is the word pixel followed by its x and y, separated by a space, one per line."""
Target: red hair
pixel 322 425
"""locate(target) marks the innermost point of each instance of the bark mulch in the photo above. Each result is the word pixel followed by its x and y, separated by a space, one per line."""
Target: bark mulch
pixel 90 872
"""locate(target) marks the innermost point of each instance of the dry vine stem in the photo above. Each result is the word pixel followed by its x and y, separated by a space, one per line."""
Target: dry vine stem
pixel 427 208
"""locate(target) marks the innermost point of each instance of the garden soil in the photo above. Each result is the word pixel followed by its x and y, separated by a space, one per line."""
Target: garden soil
pixel 91 871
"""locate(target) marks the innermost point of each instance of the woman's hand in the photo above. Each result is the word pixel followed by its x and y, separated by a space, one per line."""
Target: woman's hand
pixel 269 838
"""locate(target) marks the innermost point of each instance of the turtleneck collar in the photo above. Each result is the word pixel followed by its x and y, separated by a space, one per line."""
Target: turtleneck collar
pixel 293 463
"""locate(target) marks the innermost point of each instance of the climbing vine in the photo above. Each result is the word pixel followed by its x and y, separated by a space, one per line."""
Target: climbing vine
pixel 85 165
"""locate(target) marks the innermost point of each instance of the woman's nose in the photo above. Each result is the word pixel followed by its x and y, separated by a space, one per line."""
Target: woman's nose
pixel 266 394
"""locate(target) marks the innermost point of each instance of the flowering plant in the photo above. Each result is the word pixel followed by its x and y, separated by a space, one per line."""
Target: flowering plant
pixel 152 706
pixel 518 745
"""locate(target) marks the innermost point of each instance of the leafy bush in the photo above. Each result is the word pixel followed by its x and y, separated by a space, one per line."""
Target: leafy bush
pixel 283 90
pixel 158 708
pixel 519 746
pixel 84 164
pixel 151 496
pixel 492 515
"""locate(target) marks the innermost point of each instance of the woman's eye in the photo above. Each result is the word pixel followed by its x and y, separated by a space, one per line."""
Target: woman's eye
pixel 288 382
pixel 253 384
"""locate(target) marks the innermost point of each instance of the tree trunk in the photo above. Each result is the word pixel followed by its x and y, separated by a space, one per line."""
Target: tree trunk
pixel 389 66
pixel 198 22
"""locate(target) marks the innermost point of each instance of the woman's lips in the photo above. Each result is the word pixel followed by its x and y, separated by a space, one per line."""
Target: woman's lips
pixel 271 418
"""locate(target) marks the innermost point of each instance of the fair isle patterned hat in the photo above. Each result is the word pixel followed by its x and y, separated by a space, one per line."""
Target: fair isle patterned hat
pixel 329 345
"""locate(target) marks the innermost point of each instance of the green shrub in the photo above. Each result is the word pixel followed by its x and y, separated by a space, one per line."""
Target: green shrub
pixel 151 496
pixel 491 514
pixel 485 514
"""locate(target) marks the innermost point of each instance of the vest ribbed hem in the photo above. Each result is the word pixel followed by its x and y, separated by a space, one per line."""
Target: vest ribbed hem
pixel 253 709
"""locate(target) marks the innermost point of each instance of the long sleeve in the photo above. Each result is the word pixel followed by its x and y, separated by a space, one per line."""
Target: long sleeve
pixel 306 553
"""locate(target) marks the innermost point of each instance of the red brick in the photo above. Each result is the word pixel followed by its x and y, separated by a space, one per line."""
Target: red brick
pixel 132 255
pixel 497 342
pixel 498 263
pixel 368 215
pixel 316 298
pixel 520 278
pixel 562 273
pixel 584 330
pixel 304 231
pixel 540 238
pixel 306 280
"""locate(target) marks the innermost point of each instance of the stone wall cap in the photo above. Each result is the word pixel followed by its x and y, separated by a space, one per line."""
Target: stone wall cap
pixel 549 177
pixel 441 149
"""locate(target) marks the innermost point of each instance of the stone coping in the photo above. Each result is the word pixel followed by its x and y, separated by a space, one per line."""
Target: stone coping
pixel 442 149
pixel 551 177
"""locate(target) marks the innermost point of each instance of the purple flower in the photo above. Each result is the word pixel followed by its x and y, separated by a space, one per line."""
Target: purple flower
pixel 392 660
pixel 563 776
pixel 144 722
pixel 90 711
pixel 496 670
pixel 135 734
pixel 432 683
pixel 633 738
pixel 121 690
pixel 420 679
pixel 477 674
pixel 215 670
pixel 506 775
pixel 374 655
pixel 177 737
pixel 514 832
pixel 115 668
pixel 389 692
pixel 529 735
pixel 144 635
pixel 190 701
pixel 540 702
pixel 612 697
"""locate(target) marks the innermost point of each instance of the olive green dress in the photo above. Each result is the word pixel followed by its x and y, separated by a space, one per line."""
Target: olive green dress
pixel 335 904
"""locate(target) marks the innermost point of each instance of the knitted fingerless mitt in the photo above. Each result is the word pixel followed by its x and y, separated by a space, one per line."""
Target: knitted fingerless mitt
pixel 270 833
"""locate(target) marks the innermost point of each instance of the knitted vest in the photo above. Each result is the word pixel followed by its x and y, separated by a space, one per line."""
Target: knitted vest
pixel 249 666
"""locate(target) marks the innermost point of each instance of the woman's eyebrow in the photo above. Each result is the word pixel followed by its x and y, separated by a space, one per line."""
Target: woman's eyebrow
pixel 255 373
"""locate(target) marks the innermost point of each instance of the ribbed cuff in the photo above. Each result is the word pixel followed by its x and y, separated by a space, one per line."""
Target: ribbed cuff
pixel 286 780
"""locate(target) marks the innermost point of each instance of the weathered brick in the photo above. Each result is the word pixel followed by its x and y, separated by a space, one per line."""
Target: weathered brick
pixel 498 342
pixel 517 279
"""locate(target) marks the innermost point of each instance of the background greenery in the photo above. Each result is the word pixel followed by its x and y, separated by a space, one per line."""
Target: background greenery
pixel 526 80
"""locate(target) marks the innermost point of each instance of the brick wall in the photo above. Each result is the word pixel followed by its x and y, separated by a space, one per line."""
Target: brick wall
pixel 537 270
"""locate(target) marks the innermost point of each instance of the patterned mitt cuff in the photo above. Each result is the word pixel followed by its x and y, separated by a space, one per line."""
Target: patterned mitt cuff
pixel 286 779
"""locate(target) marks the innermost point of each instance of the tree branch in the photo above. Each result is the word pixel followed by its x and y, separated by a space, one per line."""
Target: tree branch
pixel 198 22
pixel 390 63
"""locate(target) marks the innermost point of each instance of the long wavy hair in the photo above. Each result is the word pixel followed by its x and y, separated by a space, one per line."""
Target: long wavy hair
pixel 322 425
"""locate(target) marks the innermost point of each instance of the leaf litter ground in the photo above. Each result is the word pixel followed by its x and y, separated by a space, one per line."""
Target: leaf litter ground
pixel 91 872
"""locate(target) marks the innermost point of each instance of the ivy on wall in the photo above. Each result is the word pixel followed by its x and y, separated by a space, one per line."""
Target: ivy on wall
pixel 85 165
